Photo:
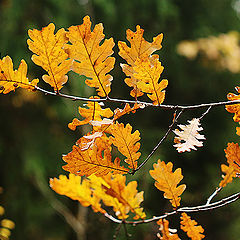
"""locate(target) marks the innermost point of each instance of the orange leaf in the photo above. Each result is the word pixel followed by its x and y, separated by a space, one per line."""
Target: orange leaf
pixel 148 73
pixel 230 173
pixel 139 48
pixel 11 79
pixel 126 110
pixel 126 142
pixel 77 189
pixel 167 233
pixel 236 107
pixel 167 181
pixel 189 137
pixel 233 155
pixel 89 161
pixel 190 227
pixel 92 59
pixel 123 198
pixel 94 112
pixel 49 54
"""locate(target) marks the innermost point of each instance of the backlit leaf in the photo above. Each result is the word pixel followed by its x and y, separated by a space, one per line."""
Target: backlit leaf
pixel 189 137
pixel 126 110
pixel 148 73
pixel 87 162
pixel 123 198
pixel 230 172
pixel 77 189
pixel 93 112
pixel 139 48
pixel 190 227
pixel 50 55
pixel 92 58
pixel 167 181
pixel 235 108
pixel 233 155
pixel 126 142
pixel 11 79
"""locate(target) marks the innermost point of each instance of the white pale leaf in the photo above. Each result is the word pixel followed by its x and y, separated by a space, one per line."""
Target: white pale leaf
pixel 188 137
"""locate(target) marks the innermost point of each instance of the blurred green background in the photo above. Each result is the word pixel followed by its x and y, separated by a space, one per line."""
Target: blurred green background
pixel 34 131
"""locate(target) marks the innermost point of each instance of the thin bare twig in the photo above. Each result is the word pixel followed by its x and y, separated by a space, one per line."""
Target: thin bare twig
pixel 175 118
pixel 213 195
pixel 147 104
pixel 205 113
pixel 206 207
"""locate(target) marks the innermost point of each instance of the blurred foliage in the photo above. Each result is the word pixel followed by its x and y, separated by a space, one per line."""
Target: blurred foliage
pixel 222 52
pixel 34 131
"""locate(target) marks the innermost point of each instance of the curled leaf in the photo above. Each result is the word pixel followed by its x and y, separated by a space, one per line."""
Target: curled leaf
pixel 92 114
pixel 166 232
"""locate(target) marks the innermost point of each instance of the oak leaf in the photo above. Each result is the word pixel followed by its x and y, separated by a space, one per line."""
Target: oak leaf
pixel 230 172
pixel 126 110
pixel 50 55
pixel 91 59
pixel 11 79
pixel 139 48
pixel 148 73
pixel 77 189
pixel 93 112
pixel 166 232
pixel 167 181
pixel 189 137
pixel 235 108
pixel 122 197
pixel 126 142
pixel 190 227
pixel 233 155
pixel 90 161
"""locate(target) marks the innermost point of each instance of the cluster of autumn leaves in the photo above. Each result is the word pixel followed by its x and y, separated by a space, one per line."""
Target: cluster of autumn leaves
pixel 84 51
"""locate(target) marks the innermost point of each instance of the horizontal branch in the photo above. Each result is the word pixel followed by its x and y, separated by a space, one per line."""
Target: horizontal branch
pixel 205 207
pixel 146 104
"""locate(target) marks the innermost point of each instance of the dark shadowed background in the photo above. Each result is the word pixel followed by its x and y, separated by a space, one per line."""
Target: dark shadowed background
pixel 34 132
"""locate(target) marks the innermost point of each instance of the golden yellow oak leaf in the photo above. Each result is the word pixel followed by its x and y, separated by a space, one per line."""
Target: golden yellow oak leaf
pixel 93 112
pixel 126 142
pixel 148 73
pixel 124 198
pixel 166 232
pixel 188 138
pixel 233 155
pixel 91 55
pixel 190 227
pixel 230 172
pixel 236 107
pixel 50 55
pixel 87 162
pixel 126 110
pixel 11 79
pixel 139 48
pixel 77 189
pixel 167 181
